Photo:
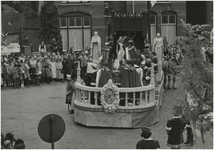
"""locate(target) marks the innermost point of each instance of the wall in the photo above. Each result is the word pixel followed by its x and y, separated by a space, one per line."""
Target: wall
pixel 178 6
pixel 94 8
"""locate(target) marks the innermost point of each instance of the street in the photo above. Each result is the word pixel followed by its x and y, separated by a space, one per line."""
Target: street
pixel 22 109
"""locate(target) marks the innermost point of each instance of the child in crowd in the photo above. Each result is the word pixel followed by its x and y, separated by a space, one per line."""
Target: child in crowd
pixel 21 73
pixel 26 74
pixel 59 67
pixel 16 75
pixel 69 92
pixel 32 72
pixel 53 69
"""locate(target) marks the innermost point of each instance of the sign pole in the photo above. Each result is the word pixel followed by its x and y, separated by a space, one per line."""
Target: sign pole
pixel 51 128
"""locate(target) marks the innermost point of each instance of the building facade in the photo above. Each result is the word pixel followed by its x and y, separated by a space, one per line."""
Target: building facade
pixel 79 19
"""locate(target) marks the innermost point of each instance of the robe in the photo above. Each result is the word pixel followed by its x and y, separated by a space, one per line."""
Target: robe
pixel 95 48
pixel 130 53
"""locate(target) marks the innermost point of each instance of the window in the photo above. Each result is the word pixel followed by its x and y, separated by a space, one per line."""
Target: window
pixel 71 21
pixel 63 22
pixel 106 5
pixel 168 18
pixel 171 18
pixel 86 21
pixel 164 19
pixel 75 30
pixel 152 19
pixel 78 21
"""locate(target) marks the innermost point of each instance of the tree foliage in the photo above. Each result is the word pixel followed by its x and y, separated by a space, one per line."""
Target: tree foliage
pixel 50 28
pixel 27 8
pixel 197 76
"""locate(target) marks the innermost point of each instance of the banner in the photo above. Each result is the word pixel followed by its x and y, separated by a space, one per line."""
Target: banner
pixel 11 48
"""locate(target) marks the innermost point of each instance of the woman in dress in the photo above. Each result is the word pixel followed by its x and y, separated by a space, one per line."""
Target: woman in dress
pixel 147 142
pixel 59 67
pixel 53 69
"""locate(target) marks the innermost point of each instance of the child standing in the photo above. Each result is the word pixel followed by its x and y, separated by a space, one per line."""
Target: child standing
pixel 53 69
pixel 21 74
pixel 32 72
pixel 69 93
pixel 59 70
pixel 16 75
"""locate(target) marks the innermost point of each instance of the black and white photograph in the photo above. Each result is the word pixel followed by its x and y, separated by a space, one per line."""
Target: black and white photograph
pixel 107 74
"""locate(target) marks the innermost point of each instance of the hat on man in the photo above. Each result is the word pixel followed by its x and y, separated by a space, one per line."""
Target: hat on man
pixel 146 133
pixel 131 42
pixel 105 63
pixel 11 136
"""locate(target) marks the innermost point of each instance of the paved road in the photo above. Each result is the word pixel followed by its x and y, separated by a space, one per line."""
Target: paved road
pixel 22 109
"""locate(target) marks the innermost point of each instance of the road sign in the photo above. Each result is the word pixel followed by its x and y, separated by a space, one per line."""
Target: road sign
pixel 51 128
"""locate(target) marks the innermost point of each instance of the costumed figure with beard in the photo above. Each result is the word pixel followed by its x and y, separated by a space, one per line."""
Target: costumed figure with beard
pixel 95 47
pixel 120 52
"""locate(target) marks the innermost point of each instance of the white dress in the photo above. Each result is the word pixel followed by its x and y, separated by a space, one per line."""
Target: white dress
pixel 95 48
pixel 53 69
pixel 120 55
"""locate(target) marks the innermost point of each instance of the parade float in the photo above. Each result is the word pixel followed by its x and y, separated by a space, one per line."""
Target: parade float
pixel 141 103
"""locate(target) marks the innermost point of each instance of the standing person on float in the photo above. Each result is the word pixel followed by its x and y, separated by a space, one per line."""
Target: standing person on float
pixel 120 50
pixel 42 48
pixel 146 48
pixel 95 47
pixel 131 51
pixel 158 46
pixel 165 46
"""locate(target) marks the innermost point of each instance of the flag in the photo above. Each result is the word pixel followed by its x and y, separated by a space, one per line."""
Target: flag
pixel 153 3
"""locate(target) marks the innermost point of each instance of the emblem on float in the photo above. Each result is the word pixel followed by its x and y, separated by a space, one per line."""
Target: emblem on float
pixel 110 97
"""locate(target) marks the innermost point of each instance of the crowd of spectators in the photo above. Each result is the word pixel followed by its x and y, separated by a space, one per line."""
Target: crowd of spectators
pixel 37 68
pixel 9 142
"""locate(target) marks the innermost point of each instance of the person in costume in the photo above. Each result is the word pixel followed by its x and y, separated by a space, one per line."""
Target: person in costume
pixel 70 89
pixel 95 47
pixel 120 50
pixel 90 72
pixel 42 48
pixel 158 44
pixel 147 142
pixel 103 75
pixel 139 71
pixel 175 128
pixel 131 51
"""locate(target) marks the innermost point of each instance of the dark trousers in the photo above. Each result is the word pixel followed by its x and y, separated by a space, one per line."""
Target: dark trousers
pixel 26 82
pixel 83 72
pixel 16 82
pixel 33 80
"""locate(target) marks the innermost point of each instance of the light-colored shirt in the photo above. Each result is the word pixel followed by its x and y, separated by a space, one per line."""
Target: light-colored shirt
pixel 91 67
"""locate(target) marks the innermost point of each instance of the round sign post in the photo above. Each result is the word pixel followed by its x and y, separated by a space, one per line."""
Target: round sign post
pixel 51 128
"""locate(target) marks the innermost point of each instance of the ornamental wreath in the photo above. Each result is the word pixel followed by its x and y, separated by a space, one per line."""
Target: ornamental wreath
pixel 110 97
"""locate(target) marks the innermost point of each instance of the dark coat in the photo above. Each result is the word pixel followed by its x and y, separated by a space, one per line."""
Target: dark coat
pixel 69 63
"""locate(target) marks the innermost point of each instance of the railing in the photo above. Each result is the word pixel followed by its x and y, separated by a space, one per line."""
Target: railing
pixel 129 97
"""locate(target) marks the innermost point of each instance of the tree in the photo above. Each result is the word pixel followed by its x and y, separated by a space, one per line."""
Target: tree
pixel 27 8
pixel 50 28
pixel 197 77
